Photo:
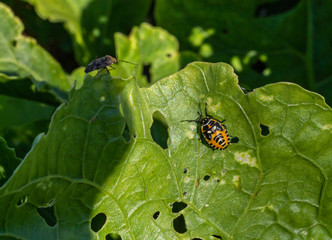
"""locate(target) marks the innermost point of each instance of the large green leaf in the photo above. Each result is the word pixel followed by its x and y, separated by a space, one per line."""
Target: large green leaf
pixel 273 183
pixel 93 23
pixel 265 41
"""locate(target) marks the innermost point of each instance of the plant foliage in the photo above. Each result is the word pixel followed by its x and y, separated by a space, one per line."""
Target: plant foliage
pixel 271 183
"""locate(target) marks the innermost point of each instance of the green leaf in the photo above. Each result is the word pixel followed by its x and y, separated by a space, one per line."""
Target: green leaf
pixel 21 120
pixel 8 161
pixel 93 23
pixel 15 111
pixel 154 50
pixel 21 57
pixel 265 41
pixel 273 182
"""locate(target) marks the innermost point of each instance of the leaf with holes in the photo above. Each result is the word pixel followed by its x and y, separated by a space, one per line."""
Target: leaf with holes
pixel 83 177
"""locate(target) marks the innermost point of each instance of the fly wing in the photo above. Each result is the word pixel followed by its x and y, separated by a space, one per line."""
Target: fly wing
pixel 89 68
pixel 94 65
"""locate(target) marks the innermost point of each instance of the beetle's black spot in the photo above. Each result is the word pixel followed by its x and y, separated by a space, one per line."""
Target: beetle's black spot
pixel 98 222
pixel 169 55
pixel 156 215
pixel 264 130
pixel 196 238
pixel 47 213
pixel 274 8
pixel 179 224
pixel 159 129
pixel 113 236
pixel 206 177
pixel 178 206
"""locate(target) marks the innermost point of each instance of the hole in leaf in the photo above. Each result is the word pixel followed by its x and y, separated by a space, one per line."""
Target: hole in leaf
pixel 216 236
pixel 264 130
pixel 169 55
pixel 48 214
pixel 179 224
pixel 146 72
pixel 98 222
pixel 126 133
pixel 185 170
pixel 259 66
pixel 274 8
pixel 156 215
pixel 218 180
pixel 159 130
pixel 14 43
pixel 22 201
pixel 178 206
pixel 235 140
pixel 206 177
pixel 113 236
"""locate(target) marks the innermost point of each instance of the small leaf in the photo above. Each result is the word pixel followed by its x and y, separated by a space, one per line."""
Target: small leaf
pixel 8 161
pixel 152 48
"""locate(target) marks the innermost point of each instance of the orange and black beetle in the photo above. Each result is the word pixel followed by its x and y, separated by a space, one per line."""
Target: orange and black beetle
pixel 213 130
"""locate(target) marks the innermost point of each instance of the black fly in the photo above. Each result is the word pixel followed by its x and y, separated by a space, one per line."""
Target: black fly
pixel 103 62
pixel 99 63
